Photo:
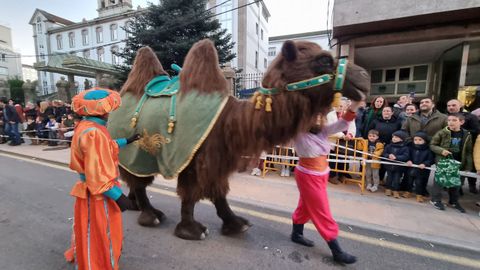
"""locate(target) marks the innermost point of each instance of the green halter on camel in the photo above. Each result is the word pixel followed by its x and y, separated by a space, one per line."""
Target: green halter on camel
pixel 172 132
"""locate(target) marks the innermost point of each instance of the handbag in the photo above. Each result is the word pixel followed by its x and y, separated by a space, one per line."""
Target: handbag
pixel 447 173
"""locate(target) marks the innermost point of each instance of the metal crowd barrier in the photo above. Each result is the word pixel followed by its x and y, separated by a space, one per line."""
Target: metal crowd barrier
pixel 341 160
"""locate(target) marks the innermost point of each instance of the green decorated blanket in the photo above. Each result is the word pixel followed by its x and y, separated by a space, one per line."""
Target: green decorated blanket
pixel 164 149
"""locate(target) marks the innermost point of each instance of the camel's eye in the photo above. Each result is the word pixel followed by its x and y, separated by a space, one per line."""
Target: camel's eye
pixel 325 61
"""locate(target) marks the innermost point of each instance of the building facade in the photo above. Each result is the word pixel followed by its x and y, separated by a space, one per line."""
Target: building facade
pixel 248 25
pixel 275 43
pixel 95 39
pixel 29 73
pixel 429 48
pixel 10 61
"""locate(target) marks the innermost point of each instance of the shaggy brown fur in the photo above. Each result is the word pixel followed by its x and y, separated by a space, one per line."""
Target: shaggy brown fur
pixel 145 67
pixel 242 130
pixel 204 76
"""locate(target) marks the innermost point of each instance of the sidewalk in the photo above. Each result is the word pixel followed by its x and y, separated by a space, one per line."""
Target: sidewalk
pixel 372 210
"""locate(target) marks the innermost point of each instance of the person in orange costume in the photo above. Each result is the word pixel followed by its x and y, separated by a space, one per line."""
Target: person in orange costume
pixel 97 227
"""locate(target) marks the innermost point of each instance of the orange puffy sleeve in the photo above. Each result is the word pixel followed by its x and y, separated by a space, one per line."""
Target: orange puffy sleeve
pixel 100 161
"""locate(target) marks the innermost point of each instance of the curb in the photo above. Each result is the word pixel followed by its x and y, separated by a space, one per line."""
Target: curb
pixel 344 221
pixel 63 164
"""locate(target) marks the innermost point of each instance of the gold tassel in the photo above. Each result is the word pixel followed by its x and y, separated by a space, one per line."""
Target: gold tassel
pixel 253 99
pixel 268 104
pixel 133 122
pixel 171 125
pixel 337 97
pixel 259 103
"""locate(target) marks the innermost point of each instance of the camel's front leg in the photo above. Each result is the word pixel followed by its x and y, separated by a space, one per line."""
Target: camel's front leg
pixel 188 228
pixel 232 224
pixel 149 216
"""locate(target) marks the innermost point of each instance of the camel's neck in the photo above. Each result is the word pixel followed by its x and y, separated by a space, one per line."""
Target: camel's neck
pixel 260 130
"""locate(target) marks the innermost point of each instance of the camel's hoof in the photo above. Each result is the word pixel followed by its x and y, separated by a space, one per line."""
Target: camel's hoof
pixel 148 219
pixel 191 231
pixel 236 225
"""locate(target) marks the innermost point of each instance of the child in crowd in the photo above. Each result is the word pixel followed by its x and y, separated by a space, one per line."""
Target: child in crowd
pixel 41 131
pixel 65 126
pixel 372 169
pixel 31 130
pixel 456 142
pixel 52 127
pixel 421 155
pixel 312 175
pixel 396 151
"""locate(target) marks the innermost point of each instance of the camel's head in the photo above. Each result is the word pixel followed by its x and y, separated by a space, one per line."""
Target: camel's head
pixel 301 61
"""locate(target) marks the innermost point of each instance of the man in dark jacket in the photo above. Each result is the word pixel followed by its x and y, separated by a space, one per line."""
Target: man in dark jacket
pixel 10 120
pixel 471 124
pixel 386 125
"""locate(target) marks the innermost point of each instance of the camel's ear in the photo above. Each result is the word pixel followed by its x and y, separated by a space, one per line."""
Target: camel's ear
pixel 289 50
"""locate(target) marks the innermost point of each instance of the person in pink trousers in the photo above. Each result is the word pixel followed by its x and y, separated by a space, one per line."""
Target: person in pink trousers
pixel 311 175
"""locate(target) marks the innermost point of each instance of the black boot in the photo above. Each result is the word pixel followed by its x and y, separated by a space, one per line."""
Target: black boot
pixel 297 236
pixel 339 255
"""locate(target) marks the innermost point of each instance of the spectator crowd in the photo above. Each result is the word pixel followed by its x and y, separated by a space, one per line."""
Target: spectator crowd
pixel 46 122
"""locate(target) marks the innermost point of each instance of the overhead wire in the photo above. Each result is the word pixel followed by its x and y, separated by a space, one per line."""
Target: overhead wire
pixel 124 40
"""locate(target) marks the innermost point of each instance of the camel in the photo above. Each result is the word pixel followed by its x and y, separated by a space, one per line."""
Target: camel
pixel 243 128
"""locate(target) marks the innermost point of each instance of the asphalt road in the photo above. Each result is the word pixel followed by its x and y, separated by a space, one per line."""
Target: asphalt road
pixel 35 229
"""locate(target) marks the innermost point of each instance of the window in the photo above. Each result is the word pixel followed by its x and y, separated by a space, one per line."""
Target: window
pixel 400 81
pixel 404 74
pixel 256 28
pixel 86 54
pixel 99 32
pixel 3 57
pixel 3 71
pixel 473 65
pixel 390 75
pixel 256 59
pixel 128 27
pixel 71 39
pixel 85 37
pixel 113 32
pixel 261 34
pixel 272 51
pixel 101 54
pixel 42 56
pixel 265 62
pixel 114 51
pixel 39 25
pixel 59 42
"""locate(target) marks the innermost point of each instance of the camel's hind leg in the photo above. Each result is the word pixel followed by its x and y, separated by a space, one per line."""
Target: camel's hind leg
pixel 232 224
pixel 190 194
pixel 149 216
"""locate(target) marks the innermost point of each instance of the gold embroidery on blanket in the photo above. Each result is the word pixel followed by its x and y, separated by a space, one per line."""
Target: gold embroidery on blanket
pixel 151 143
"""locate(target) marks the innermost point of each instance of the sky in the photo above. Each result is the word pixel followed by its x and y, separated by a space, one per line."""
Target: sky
pixel 287 17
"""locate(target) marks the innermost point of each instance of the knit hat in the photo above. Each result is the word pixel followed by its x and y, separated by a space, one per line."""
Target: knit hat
pixel 400 134
pixel 422 135
pixel 96 101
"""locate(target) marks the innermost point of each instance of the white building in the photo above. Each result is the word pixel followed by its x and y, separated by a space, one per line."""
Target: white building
pixel 29 73
pixel 10 62
pixel 249 29
pixel 56 38
pixel 275 43
pixel 91 39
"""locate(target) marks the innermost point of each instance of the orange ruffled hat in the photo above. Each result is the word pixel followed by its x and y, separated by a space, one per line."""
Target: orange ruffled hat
pixel 96 101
